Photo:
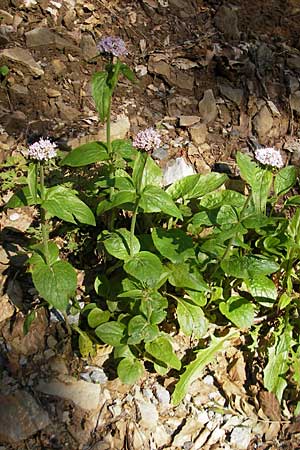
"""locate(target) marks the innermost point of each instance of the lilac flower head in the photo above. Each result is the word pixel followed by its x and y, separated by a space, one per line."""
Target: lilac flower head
pixel 269 156
pixel 43 150
pixel 148 140
pixel 114 45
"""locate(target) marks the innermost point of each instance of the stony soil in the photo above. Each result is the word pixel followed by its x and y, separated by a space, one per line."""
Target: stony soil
pixel 214 78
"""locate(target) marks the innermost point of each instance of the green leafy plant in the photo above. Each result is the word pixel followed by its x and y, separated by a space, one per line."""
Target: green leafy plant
pixel 213 263
pixel 54 278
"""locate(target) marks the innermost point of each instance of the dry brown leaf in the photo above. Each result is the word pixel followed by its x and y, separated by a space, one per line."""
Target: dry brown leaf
pixel 272 431
pixel 237 370
pixel 270 405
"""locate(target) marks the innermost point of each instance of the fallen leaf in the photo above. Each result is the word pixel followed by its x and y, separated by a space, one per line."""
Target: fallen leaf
pixel 270 405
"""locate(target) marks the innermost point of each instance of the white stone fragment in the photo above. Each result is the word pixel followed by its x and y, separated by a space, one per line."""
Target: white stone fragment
pixel 14 216
pixel 149 415
pixel 240 438
pixel 176 170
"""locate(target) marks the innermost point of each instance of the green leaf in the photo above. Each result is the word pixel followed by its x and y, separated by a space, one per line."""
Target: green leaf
pixel 123 351
pixel 191 319
pixel 227 216
pixel 259 179
pixel 130 370
pixel 195 186
pixel 138 169
pixel 85 344
pixel 278 362
pixel 154 199
pixel 293 201
pixel 153 306
pixel 32 180
pixel 40 256
pixel 117 243
pixel 195 368
pixel 127 72
pixel 284 301
pixel 124 148
pixel 118 200
pixel 64 204
pixel 101 93
pixel 28 321
pixel 293 229
pixel 56 284
pixel 86 154
pixel 21 198
pixel 111 333
pixel 97 316
pixel 239 311
pixel 139 329
pixel 152 174
pixel 173 244
pixel 161 349
pixel 145 267
pixel 261 287
pixel 186 276
pixel 248 266
pixel 4 71
pixel 216 199
pixel 285 180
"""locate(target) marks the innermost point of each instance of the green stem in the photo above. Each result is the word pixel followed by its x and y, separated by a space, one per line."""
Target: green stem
pixel 44 225
pixel 133 222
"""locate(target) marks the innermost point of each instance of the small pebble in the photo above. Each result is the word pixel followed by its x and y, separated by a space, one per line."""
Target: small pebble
pixel 15 216
pixel 162 395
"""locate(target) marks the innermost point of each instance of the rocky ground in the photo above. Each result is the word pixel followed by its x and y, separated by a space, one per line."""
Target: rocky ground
pixel 214 78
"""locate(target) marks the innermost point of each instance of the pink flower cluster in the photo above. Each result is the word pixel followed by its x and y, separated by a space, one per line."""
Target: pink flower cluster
pixel 43 150
pixel 269 156
pixel 114 45
pixel 148 140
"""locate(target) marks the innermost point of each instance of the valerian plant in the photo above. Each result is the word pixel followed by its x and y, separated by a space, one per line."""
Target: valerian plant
pixel 196 254
pixel 210 255
pixel 54 279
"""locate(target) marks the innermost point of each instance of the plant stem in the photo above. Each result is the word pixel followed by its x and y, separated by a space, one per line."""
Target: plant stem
pixel 133 222
pixel 44 225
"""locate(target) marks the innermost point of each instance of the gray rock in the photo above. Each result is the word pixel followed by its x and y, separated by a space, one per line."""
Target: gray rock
pixel 20 417
pixel 207 107
pixel 160 154
pixel 119 130
pixel 98 376
pixel 295 101
pixel 6 17
pixel 176 169
pixel 148 414
pixel 226 21
pixel 181 79
pixel 162 395
pixel 67 113
pixel 293 62
pixel 22 56
pixel 263 122
pixel 234 95
pixel 88 47
pixel 198 133
pixel 83 394
pixel 43 37
pixel 240 438
pixel 6 308
pixel 188 121
pixel 15 123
